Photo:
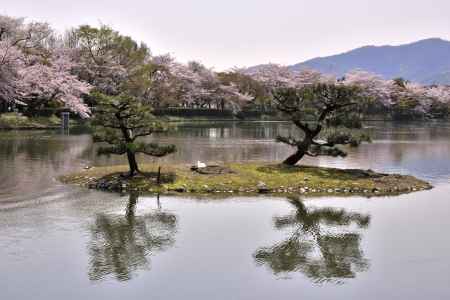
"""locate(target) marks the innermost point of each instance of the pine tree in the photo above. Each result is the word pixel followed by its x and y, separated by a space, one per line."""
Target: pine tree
pixel 121 121
pixel 318 107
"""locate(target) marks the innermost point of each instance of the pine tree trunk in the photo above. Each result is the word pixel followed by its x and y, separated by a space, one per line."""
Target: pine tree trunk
pixel 132 163
pixel 131 208
pixel 294 158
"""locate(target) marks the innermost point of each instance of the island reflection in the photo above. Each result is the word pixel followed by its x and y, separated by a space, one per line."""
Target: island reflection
pixel 122 245
pixel 324 244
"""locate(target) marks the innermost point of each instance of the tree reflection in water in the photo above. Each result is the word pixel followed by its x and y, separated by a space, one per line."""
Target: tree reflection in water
pixel 322 246
pixel 122 245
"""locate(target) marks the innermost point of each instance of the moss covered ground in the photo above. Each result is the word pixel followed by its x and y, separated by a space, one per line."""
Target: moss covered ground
pixel 249 178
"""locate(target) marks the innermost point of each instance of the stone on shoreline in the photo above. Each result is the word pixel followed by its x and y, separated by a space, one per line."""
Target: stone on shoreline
pixel 262 188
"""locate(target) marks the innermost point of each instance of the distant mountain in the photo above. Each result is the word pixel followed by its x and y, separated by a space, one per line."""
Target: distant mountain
pixel 426 61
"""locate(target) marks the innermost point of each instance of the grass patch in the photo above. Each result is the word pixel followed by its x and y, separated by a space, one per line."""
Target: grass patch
pixel 250 178
pixel 19 121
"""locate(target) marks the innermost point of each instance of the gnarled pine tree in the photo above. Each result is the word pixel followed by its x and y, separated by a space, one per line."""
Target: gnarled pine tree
pixel 120 121
pixel 315 108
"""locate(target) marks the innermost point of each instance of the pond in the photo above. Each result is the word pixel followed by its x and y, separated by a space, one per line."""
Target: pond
pixel 65 242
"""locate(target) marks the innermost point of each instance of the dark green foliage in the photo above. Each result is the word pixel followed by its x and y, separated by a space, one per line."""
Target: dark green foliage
pixel 194 112
pixel 348 120
pixel 401 82
pixel 321 254
pixel 120 121
pixel 317 107
pixel 120 246
pixel 405 109
pixel 439 110
pixel 347 138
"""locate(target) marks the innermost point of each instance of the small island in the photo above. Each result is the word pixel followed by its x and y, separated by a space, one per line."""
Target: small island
pixel 247 179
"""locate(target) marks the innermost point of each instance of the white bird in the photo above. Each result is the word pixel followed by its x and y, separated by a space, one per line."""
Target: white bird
pixel 200 164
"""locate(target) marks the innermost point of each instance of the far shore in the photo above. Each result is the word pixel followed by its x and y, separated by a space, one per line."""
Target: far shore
pixel 9 121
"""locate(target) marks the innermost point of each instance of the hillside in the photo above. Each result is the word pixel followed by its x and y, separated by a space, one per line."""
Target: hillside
pixel 426 61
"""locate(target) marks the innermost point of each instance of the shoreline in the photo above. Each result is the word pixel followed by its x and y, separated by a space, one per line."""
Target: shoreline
pixel 15 121
pixel 48 124
pixel 245 179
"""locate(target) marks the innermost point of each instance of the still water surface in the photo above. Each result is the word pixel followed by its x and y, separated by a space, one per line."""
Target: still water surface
pixel 64 242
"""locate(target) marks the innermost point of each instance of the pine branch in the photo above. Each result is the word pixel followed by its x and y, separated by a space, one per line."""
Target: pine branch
pixel 291 141
pixel 116 150
pixel 110 137
pixel 154 149
pixel 325 151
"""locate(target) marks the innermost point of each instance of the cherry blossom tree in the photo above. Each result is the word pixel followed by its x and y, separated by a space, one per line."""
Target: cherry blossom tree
pixel 403 99
pixel 440 93
pixel 110 61
pixel 41 83
pixel 440 107
pixel 246 85
pixel 271 75
pixel 371 85
pixel 32 72
pixel 194 85
pixel 211 92
pixel 14 36
pixel 275 76
pixel 11 62
pixel 182 82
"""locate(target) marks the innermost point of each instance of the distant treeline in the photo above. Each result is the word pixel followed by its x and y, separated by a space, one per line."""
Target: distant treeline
pixel 43 72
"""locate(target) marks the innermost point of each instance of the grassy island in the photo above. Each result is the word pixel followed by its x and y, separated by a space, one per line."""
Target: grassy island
pixel 247 179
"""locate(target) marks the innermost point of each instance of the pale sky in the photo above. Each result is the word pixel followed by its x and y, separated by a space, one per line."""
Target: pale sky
pixel 228 33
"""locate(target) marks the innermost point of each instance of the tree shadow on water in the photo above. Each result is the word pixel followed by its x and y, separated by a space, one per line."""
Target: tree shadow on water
pixel 324 244
pixel 121 245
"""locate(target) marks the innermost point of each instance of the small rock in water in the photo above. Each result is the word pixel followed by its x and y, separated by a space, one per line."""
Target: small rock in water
pixel 180 189
pixel 262 187
pixel 207 189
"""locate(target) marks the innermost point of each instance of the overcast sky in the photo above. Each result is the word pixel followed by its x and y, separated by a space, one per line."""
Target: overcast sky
pixel 227 33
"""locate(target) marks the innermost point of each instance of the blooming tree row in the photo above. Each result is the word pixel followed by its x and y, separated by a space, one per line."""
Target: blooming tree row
pixel 397 95
pixel 40 68
pixel 194 85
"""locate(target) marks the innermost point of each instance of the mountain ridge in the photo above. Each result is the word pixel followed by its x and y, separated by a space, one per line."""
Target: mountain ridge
pixel 426 61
